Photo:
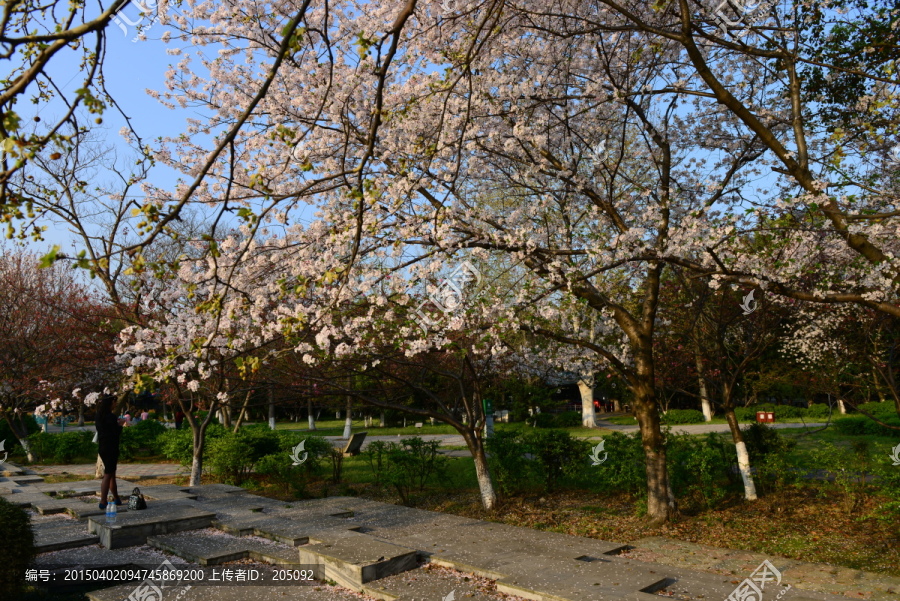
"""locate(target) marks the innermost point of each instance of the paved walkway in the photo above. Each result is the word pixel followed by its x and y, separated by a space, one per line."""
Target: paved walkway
pixel 367 547
pixel 701 428
pixel 128 471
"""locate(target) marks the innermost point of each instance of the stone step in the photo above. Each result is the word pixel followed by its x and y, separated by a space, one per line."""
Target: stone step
pixel 212 547
pixel 430 584
pixel 10 469
pixel 352 559
pixel 293 532
pixel 62 534
pixel 27 479
pixel 135 527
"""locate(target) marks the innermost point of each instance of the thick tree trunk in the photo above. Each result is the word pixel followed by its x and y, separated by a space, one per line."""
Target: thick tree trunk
pixel 26 446
pixel 742 455
pixel 588 415
pixel 705 405
pixel 197 460
pixel 20 431
pixel 271 408
pixel 482 473
pixel 842 407
pixel 81 414
pixel 660 501
pixel 348 422
pixel 382 422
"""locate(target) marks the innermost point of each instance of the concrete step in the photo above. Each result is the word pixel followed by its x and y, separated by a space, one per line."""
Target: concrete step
pixel 212 547
pixel 133 528
pixel 62 534
pixel 352 559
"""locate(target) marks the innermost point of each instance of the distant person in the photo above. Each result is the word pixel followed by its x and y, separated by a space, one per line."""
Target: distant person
pixel 179 419
pixel 109 432
pixel 127 418
pixel 145 416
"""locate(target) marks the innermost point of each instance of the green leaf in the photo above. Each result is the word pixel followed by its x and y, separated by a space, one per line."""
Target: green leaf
pixel 48 259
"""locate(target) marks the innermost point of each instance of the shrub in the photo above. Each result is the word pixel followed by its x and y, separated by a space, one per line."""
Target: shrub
pixel 511 470
pixel 701 466
pixel 558 453
pixel 143 435
pixel 762 440
pixel 541 420
pixel 624 469
pixel 178 445
pixel 567 419
pixel 411 464
pixel 683 416
pixel 62 447
pixel 745 414
pixel 280 471
pixel 860 425
pixel 819 411
pixel 879 410
pixel 233 456
pixel 17 550
pixel 317 447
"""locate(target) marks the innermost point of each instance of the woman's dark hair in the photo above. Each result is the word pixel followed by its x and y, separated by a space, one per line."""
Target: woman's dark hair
pixel 106 403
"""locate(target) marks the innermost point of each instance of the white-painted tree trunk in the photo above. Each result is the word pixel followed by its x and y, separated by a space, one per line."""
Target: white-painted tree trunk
pixel 746 474
pixel 705 405
pixel 842 407
pixel 271 409
pixel 26 446
pixel 312 420
pixel 196 468
pixel 348 421
pixel 485 483
pixel 382 424
pixel 588 414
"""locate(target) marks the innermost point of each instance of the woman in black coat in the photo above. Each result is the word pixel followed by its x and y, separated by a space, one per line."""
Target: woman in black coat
pixel 109 431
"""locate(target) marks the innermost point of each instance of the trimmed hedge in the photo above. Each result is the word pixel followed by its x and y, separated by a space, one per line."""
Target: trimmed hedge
pixel 682 416
pixel 860 425
pixel 62 447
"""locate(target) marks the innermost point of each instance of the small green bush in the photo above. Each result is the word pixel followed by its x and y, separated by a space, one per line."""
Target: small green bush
pixel 860 425
pixel 567 419
pixel 701 467
pixel 762 440
pixel 17 550
pixel 819 411
pixel 317 447
pixel 233 456
pixel 62 447
pixel 541 420
pixel 407 465
pixel 624 469
pixel 879 410
pixel 178 445
pixel 143 435
pixel 280 471
pixel 512 472
pixel 558 453
pixel 683 416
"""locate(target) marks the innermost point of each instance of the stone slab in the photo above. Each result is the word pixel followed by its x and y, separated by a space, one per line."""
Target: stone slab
pixel 135 527
pixel 205 548
pixel 166 492
pixel 10 469
pixel 284 530
pixel 62 534
pixel 352 559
